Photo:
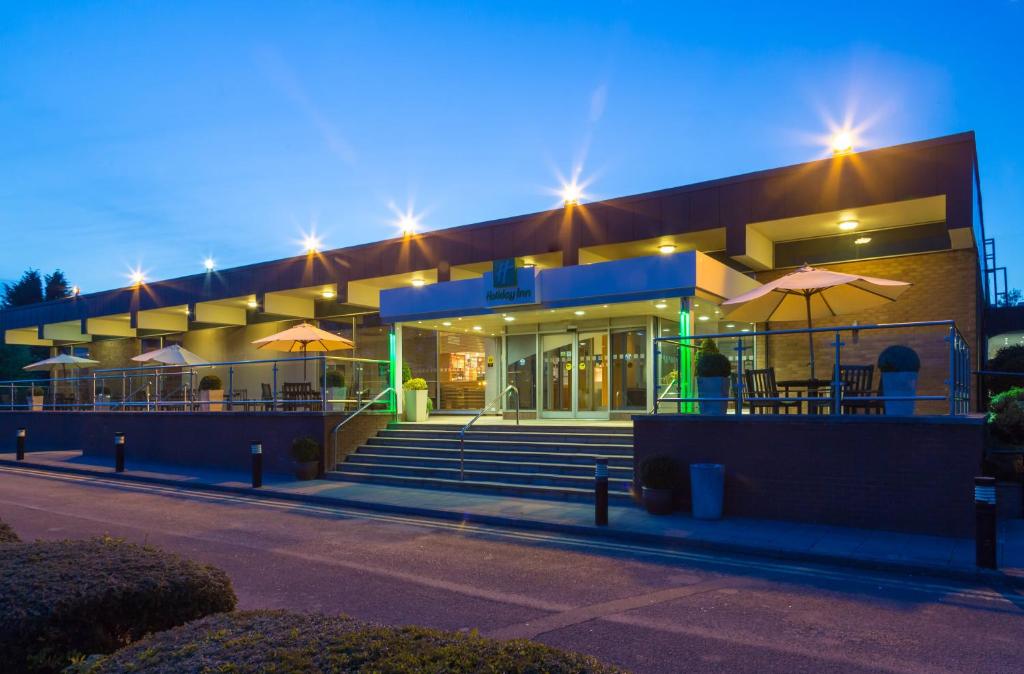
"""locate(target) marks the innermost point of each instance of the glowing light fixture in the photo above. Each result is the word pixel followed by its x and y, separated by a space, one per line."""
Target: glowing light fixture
pixel 75 291
pixel 730 325
pixel 418 283
pixel 510 318
pixel 667 248
pixel 703 318
pixel 408 223
pixel 862 240
pixel 447 324
pixel 849 224
pixel 137 277
pixel 572 193
pixel 580 312
pixel 842 142
pixel 208 263
pixel 661 305
pixel 478 328
pixel 327 294
pixel 311 243
pixel 252 304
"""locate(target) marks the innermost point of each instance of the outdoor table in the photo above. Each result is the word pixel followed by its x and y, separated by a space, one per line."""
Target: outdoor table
pixel 813 388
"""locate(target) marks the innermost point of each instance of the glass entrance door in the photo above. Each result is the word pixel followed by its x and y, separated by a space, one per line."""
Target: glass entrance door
pixel 575 375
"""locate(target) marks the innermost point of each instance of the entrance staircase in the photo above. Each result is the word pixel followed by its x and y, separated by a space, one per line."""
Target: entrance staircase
pixel 540 461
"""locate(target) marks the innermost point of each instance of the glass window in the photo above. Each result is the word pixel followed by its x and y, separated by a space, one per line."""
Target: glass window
pixel 462 373
pixel 419 353
pixel 629 369
pixel 522 368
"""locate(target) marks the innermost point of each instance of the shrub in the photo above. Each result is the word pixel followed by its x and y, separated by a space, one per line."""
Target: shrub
pixel 60 600
pixel 305 450
pixel 277 641
pixel 210 382
pixel 417 384
pixel 658 472
pixel 7 534
pixel 1007 359
pixel 334 379
pixel 898 358
pixel 38 391
pixel 710 362
pixel 1006 416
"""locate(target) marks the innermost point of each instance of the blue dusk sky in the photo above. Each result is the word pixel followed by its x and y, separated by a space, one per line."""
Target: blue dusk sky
pixel 156 134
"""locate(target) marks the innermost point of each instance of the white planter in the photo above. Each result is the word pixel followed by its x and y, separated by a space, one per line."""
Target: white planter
pixel 713 387
pixel 337 393
pixel 211 401
pixel 415 405
pixel 900 384
pixel 36 404
pixel 102 401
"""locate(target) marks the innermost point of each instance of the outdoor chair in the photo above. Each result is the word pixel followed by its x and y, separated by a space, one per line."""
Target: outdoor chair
pixel 239 399
pixel 856 381
pixel 299 395
pixel 761 384
pixel 267 396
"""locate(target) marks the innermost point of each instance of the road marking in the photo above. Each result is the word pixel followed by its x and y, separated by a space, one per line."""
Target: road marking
pixel 793 570
pixel 534 628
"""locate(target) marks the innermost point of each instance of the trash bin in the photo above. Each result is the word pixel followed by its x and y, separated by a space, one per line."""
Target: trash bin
pixel 707 484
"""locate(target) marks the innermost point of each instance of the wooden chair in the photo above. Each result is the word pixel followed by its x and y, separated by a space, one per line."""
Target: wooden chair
pixel 857 380
pixel 761 384
pixel 299 391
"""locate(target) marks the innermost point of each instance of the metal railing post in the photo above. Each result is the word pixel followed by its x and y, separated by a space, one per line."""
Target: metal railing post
pixel 323 383
pixel 12 396
pixel 231 388
pixel 657 381
pixel 837 385
pixel 739 375
pixel 951 381
pixel 124 390
pixel 274 404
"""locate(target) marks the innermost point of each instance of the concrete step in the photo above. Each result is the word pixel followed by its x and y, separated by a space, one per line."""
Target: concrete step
pixel 510 445
pixel 568 436
pixel 548 479
pixel 482 486
pixel 623 459
pixel 503 464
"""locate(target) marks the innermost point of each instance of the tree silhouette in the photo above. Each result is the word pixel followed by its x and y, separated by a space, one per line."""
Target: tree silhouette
pixel 26 290
pixel 57 286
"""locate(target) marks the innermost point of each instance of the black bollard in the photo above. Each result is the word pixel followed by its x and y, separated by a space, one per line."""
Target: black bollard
pixel 119 442
pixel 256 448
pixel 601 492
pixel 985 522
pixel 20 444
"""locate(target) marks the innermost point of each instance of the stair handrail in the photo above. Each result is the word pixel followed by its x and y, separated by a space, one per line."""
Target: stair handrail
pixel 462 433
pixel 664 394
pixel 337 428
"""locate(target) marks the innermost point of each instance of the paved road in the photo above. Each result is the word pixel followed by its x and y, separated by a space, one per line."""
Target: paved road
pixel 645 609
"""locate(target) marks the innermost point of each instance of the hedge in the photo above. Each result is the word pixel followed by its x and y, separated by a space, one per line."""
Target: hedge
pixel 277 641
pixel 60 600
pixel 7 534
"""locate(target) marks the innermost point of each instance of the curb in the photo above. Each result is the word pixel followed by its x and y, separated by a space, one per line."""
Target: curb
pixel 582 531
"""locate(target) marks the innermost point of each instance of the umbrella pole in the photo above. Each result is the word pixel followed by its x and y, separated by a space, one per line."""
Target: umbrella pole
pixel 810 335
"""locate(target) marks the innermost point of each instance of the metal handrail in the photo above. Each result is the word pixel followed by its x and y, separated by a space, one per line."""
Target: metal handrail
pixel 462 432
pixel 337 428
pixel 664 394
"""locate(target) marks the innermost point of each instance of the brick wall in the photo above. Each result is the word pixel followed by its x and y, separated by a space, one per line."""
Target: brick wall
pixel 945 287
pixel 912 474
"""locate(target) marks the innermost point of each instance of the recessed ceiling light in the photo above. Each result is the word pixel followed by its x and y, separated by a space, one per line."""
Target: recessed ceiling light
pixel 703 318
pixel 862 240
pixel 447 324
pixel 730 325
pixel 848 225
pixel 661 305
pixel 327 294
pixel 667 248
pixel 579 312
pixel 510 318
pixel 418 283
pixel 252 304
pixel 477 327
pixel 745 330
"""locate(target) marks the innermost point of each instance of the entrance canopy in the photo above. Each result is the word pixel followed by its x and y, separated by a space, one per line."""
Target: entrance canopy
pixel 507 289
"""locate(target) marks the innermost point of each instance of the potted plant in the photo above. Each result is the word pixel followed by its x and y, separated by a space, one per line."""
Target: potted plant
pixel 415 399
pixel 305 452
pixel 36 396
pixel 334 381
pixel 713 371
pixel 899 366
pixel 657 481
pixel 211 394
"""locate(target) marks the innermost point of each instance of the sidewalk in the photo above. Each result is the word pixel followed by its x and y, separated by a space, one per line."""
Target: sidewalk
pixel 951 557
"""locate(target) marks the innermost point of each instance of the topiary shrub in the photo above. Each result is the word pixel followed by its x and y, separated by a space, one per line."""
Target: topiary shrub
pixel 658 472
pixel 210 382
pixel 415 384
pixel 1007 359
pixel 710 362
pixel 7 534
pixel 334 379
pixel 60 600
pixel 1006 417
pixel 277 641
pixel 898 358
pixel 305 450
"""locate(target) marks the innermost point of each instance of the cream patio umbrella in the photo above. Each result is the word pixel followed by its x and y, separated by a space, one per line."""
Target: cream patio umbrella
pixel 304 338
pixel 171 355
pixel 810 294
pixel 64 361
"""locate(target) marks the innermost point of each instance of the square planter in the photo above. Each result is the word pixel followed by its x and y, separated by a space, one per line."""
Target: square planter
pixel 899 384
pixel 36 403
pixel 211 401
pixel 713 387
pixel 415 405
pixel 337 394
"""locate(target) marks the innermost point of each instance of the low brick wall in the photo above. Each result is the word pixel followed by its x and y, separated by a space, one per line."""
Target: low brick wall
pixel 210 439
pixel 911 474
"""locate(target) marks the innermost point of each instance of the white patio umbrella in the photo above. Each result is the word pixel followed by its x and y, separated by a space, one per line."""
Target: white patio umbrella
pixel 171 355
pixel 304 337
pixel 810 294
pixel 64 361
